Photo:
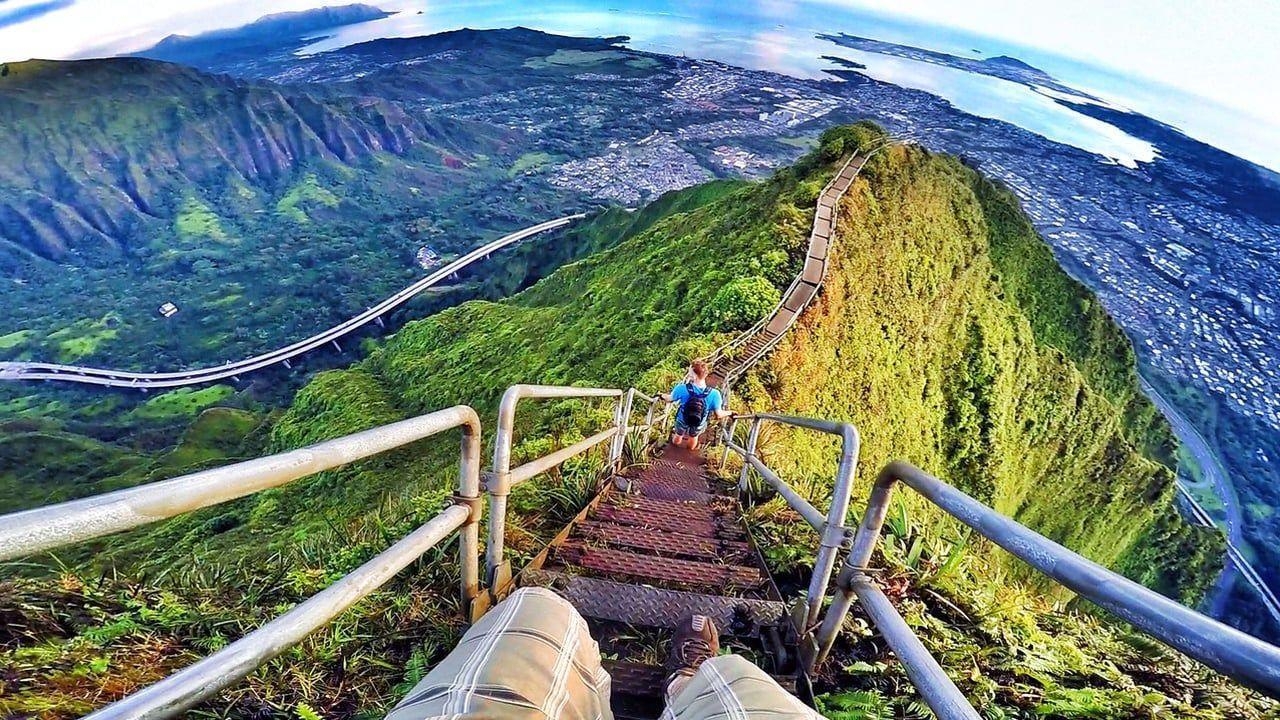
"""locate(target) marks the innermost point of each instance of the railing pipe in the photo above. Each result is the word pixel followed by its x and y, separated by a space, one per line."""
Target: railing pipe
pixel 935 687
pixel 728 436
pixel 39 529
pixel 830 527
pixel 534 468
pixel 621 421
pixel 753 440
pixel 1220 647
pixel 186 688
pixel 469 497
pixel 833 529
pixel 499 480
pixel 648 419
pixel 811 514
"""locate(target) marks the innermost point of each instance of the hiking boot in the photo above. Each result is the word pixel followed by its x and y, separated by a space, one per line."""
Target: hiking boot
pixel 695 641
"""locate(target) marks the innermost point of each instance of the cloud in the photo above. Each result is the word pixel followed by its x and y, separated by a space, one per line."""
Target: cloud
pixel 31 11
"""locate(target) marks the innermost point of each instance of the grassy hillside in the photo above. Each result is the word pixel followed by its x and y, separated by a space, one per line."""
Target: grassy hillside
pixel 941 333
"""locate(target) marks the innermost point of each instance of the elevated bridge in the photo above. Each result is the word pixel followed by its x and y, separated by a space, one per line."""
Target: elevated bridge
pixel 32 371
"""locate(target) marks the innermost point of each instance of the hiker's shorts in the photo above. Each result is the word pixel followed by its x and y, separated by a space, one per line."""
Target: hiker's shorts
pixel 686 431
pixel 532 658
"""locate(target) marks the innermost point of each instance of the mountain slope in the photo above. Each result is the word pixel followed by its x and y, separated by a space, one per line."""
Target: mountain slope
pixel 99 151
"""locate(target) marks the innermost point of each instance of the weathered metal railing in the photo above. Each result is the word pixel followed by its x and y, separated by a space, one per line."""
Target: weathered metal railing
pixel 33 531
pixel 500 480
pixel 1220 647
pixel 830 526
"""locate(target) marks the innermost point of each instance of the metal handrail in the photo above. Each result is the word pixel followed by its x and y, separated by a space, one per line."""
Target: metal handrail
pixel 1220 647
pixel 33 531
pixel 501 478
pixel 831 526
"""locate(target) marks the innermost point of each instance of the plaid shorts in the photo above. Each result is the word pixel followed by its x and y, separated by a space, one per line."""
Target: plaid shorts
pixel 532 658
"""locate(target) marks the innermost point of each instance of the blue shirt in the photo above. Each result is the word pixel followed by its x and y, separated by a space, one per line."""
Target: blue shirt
pixel 680 393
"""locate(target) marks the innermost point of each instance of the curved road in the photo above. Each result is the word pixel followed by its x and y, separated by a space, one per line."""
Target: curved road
pixel 1205 458
pixel 30 371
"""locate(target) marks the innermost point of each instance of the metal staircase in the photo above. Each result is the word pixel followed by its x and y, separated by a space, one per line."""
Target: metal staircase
pixel 733 359
pixel 672 544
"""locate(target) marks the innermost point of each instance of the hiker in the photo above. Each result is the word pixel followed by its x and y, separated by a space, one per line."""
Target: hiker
pixel 697 405
pixel 532 658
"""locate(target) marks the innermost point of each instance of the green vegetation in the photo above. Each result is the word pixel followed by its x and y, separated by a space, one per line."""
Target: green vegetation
pixel 14 339
pixel 184 402
pixel 576 58
pixel 307 192
pixel 741 302
pixel 85 337
pixel 196 221
pixel 927 336
pixel 530 162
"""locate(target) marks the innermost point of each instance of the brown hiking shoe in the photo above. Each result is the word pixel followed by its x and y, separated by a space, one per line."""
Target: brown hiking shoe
pixel 695 641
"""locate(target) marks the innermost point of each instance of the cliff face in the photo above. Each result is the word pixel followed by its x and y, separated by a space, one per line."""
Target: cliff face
pixel 97 150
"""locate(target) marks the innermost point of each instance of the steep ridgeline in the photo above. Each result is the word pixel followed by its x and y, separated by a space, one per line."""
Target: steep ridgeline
pixel 98 153
pixel 945 331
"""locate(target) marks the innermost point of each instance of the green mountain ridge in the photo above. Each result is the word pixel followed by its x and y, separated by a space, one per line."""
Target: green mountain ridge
pixel 101 151
pixel 945 331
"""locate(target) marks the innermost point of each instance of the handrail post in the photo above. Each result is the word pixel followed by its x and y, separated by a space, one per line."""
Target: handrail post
pixel 729 433
pixel 500 478
pixel 753 438
pixel 648 420
pixel 469 496
pixel 856 563
pixel 621 420
pixel 499 484
pixel 833 531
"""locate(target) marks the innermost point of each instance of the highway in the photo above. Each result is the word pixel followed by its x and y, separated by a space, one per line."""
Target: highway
pixel 1202 451
pixel 33 371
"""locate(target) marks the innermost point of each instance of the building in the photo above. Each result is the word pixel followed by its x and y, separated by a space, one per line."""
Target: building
pixel 168 310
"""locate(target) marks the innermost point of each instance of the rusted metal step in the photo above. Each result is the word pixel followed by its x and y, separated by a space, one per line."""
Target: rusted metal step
pixel 649 568
pixel 660 489
pixel 668 508
pixel 666 543
pixel 654 607
pixel 638 518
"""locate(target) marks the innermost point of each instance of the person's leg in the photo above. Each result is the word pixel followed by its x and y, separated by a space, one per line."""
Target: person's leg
pixel 704 685
pixel 530 658
pixel 729 686
pixel 682 436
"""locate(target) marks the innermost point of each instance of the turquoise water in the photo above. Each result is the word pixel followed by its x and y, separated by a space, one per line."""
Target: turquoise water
pixel 780 36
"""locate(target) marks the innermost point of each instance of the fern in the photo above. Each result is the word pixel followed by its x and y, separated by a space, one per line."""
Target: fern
pixel 855 705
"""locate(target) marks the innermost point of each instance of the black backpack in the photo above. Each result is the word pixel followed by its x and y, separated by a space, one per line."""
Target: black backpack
pixel 694 410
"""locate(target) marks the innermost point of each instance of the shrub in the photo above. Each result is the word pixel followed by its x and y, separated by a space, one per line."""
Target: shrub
pixel 739 303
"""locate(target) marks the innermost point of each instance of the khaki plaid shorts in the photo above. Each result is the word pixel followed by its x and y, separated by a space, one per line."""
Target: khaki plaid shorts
pixel 533 658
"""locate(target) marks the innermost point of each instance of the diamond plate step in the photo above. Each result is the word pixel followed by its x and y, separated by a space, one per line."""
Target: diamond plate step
pixel 668 543
pixel 669 508
pixel 653 607
pixel 703 528
pixel 648 567
pixel 665 490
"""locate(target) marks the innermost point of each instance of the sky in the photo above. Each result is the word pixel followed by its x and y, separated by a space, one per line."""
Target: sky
pixel 1222 51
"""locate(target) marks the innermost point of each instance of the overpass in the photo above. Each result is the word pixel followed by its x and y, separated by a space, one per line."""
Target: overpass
pixel 1204 455
pixel 31 371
